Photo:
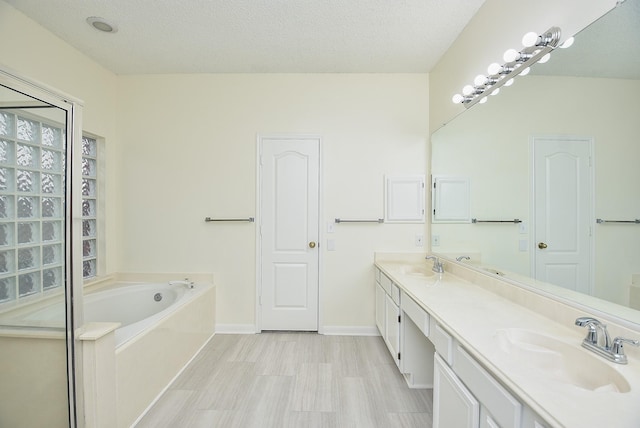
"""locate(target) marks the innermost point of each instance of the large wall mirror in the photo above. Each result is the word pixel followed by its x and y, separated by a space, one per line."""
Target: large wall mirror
pixel 553 166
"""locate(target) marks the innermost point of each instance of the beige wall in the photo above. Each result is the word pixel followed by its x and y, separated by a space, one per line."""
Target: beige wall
pixel 190 152
pixel 498 26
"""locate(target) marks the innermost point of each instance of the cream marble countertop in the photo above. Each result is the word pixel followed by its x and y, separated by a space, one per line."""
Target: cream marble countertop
pixel 473 316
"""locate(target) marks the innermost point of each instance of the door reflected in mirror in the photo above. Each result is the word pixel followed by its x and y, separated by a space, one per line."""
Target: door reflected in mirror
pixel 581 110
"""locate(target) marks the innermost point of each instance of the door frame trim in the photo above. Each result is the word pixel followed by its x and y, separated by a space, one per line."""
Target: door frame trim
pixel 592 208
pixel 321 231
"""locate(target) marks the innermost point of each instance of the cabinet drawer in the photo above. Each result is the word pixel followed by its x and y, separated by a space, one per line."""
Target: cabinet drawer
pixel 442 341
pixel 416 313
pixel 505 410
pixel 385 282
pixel 395 294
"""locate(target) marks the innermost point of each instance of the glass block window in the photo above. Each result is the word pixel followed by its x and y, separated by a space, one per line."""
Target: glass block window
pixel 32 225
pixel 89 206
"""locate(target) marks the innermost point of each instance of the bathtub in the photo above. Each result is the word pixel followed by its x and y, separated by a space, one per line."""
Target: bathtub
pixel 162 327
pixel 137 307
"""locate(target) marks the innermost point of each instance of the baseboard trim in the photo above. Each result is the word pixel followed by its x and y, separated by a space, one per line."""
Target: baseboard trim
pixel 338 330
pixel 326 330
pixel 235 328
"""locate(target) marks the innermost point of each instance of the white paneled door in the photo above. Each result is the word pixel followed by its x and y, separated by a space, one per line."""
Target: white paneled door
pixel 289 228
pixel 563 211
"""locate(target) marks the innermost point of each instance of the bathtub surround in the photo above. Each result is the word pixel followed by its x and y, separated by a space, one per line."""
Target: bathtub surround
pixel 118 386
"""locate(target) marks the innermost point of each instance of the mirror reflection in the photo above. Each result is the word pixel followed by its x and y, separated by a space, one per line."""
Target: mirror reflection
pixel 559 152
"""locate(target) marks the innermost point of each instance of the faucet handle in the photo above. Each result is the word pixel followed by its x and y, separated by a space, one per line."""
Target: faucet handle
pixel 618 348
pixel 592 324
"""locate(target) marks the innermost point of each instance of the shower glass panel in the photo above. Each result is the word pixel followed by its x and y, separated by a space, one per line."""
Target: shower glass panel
pixel 34 326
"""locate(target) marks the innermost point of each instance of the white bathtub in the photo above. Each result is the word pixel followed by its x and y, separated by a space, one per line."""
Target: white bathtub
pixel 137 307
pixel 133 305
pixel 162 327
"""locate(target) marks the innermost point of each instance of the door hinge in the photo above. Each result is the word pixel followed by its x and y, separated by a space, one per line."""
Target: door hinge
pixel 398 355
pixel 398 318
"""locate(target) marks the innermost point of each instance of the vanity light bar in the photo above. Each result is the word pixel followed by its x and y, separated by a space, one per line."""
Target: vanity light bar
pixel 537 48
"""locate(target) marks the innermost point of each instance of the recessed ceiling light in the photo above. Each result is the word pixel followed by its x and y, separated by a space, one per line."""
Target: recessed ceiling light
pixel 101 24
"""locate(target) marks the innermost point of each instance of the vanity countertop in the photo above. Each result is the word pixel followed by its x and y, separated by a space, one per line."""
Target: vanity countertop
pixel 474 316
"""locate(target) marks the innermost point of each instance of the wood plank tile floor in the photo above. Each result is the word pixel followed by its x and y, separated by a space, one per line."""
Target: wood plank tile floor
pixel 282 380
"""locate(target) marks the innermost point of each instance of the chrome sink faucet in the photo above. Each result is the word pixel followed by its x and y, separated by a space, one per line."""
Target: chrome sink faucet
pixel 612 351
pixel 438 266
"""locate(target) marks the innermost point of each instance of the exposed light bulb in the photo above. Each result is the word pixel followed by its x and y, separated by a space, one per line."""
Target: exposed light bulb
pixel 496 91
pixel 484 100
pixel 545 58
pixel 568 43
pixel 457 99
pixel 509 82
pixel 511 55
pixel 494 69
pixel 530 39
pixel 467 90
pixel 525 71
pixel 480 80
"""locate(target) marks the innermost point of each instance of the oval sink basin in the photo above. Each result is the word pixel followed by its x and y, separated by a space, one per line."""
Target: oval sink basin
pixel 559 361
pixel 415 270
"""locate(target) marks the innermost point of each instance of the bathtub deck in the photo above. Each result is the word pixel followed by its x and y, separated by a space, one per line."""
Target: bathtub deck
pixel 291 380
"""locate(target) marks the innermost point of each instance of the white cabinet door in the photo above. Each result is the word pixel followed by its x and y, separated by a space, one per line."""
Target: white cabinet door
pixel 381 320
pixel 453 404
pixel 393 328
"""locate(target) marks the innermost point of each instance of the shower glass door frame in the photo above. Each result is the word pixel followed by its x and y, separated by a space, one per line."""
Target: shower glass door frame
pixel 72 224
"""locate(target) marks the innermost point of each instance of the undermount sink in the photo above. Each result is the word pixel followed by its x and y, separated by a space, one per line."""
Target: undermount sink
pixel 559 361
pixel 415 270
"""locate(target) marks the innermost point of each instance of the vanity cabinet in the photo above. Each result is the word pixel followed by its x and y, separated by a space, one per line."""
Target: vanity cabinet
pixel 417 351
pixel 453 404
pixel 393 329
pixel 388 313
pixel 381 319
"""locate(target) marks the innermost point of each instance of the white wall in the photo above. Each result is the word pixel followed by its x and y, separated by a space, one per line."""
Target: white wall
pixel 190 152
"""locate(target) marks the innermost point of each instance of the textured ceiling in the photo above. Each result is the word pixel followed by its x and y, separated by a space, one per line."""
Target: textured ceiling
pixel 258 36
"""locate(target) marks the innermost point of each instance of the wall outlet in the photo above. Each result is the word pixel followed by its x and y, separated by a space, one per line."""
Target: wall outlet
pixel 331 227
pixel 523 245
pixel 435 240
pixel 419 240
pixel 331 245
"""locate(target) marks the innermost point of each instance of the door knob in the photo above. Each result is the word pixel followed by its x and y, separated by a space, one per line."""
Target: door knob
pixel 542 245
pixel 312 244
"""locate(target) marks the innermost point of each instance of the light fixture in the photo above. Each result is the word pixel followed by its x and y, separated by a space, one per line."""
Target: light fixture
pixel 568 43
pixel 537 48
pixel 102 24
pixel 545 58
